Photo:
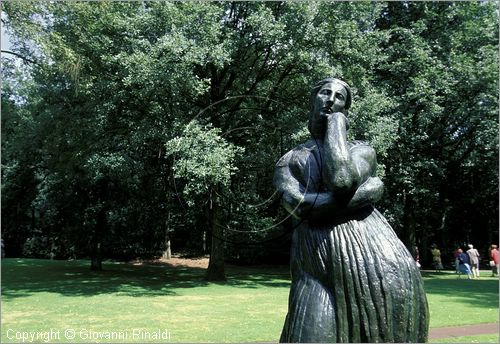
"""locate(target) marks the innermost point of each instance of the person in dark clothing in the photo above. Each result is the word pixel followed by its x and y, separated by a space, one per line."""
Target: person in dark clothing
pixel 464 263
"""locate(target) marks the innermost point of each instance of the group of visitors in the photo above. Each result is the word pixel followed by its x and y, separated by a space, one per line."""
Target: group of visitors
pixel 467 260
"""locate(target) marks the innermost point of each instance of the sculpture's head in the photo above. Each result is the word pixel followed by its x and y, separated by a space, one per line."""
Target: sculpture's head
pixel 327 96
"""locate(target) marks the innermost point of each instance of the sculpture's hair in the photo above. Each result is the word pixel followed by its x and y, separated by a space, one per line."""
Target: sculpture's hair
pixel 315 89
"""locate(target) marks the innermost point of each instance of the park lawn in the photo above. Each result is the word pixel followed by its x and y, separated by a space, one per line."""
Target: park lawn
pixel 455 301
pixel 39 295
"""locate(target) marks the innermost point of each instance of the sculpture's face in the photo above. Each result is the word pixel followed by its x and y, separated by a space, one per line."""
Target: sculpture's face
pixel 330 98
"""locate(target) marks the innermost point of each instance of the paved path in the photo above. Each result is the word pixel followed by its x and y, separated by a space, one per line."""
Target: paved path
pixel 466 330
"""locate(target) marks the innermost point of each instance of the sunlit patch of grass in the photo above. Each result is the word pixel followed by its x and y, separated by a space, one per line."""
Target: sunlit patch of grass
pixel 39 295
pixel 43 295
pixel 451 297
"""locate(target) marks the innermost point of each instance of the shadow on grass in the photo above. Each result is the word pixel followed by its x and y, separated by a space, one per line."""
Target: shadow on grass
pixel 24 277
pixel 482 292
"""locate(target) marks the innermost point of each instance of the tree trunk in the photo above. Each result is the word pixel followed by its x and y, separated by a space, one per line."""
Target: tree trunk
pixel 167 254
pixel 409 237
pixel 33 219
pixel 490 231
pixel 215 270
pixel 52 249
pixel 100 226
pixel 204 242
pixel 443 226
pixel 96 258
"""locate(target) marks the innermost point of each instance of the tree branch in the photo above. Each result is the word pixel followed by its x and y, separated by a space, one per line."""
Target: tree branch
pixel 24 58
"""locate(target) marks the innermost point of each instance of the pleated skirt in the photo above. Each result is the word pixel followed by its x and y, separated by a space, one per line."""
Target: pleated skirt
pixel 354 281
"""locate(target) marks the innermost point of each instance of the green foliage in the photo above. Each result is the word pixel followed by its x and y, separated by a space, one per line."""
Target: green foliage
pixel 84 127
pixel 203 159
pixel 434 72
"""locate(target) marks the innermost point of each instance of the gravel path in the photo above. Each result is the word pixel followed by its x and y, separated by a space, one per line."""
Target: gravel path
pixel 177 261
pixel 466 330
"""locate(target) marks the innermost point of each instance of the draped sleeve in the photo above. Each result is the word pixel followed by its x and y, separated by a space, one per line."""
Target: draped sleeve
pixel 298 179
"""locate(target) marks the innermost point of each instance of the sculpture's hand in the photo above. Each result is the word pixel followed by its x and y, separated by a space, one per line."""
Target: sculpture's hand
pixel 302 198
pixel 369 192
pixel 324 205
pixel 340 172
pixel 337 112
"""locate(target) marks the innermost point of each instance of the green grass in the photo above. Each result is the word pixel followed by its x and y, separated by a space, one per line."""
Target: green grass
pixel 39 295
pixel 457 301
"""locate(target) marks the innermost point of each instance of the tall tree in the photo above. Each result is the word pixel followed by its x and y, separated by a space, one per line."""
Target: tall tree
pixel 442 72
pixel 112 82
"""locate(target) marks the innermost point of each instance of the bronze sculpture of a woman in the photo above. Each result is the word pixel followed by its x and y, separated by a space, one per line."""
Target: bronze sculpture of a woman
pixel 353 280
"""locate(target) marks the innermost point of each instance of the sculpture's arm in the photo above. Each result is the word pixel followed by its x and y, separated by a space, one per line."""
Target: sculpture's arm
pixel 341 173
pixel 326 205
pixel 345 168
pixel 302 203
pixel 369 192
pixel 296 198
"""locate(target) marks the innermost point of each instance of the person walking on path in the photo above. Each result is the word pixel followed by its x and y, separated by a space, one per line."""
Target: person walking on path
pixel 417 257
pixel 474 260
pixel 463 263
pixel 495 258
pixel 456 254
pixel 436 258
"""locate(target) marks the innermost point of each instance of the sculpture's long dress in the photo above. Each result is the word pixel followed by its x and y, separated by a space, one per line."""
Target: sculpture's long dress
pixel 353 280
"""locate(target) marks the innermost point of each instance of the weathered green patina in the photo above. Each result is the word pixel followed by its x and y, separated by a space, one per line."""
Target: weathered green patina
pixel 353 280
